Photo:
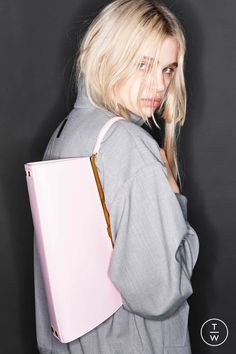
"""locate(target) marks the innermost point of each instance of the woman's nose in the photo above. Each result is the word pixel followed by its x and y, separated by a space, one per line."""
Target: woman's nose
pixel 157 85
pixel 160 84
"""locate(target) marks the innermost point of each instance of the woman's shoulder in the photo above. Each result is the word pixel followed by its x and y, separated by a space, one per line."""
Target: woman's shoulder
pixel 126 151
pixel 129 143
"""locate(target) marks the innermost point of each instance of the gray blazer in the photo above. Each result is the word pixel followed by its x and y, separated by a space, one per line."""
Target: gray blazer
pixel 155 247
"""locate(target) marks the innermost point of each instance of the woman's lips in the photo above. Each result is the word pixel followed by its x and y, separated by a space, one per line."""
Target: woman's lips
pixel 150 102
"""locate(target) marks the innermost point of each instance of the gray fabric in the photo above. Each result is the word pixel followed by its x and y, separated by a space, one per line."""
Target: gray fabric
pixel 155 247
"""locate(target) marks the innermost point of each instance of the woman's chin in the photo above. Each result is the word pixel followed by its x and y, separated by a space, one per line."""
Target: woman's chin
pixel 147 110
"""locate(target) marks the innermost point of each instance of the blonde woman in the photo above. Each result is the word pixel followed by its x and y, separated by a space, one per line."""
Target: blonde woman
pixel 131 64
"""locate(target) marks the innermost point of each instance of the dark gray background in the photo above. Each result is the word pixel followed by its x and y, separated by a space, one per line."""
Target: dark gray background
pixel 38 44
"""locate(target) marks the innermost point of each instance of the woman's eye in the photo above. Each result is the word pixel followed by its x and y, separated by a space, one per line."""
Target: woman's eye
pixel 141 66
pixel 170 72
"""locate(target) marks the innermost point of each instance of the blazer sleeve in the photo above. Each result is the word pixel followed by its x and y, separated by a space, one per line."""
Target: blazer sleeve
pixel 155 247
pixel 182 199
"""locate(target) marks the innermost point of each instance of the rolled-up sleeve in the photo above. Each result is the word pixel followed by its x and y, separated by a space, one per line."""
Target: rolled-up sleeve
pixel 155 247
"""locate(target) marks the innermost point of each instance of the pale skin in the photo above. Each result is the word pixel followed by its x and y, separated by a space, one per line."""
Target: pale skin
pixel 171 178
pixel 168 62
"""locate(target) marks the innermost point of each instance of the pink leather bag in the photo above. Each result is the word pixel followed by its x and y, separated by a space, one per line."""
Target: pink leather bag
pixel 74 242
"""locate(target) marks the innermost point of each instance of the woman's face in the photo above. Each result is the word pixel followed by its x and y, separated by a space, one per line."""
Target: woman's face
pixel 128 89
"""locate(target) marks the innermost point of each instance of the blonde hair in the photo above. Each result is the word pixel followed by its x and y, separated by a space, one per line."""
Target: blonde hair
pixel 108 54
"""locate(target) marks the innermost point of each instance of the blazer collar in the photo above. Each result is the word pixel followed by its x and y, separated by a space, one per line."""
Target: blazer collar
pixel 82 101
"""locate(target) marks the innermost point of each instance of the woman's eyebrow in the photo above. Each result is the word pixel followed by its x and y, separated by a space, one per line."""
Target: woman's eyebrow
pixel 150 58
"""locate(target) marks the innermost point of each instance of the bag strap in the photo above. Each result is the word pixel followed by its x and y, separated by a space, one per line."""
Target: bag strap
pixel 103 131
pixel 101 134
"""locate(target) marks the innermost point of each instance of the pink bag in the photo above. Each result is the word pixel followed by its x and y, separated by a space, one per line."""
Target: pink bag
pixel 74 242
